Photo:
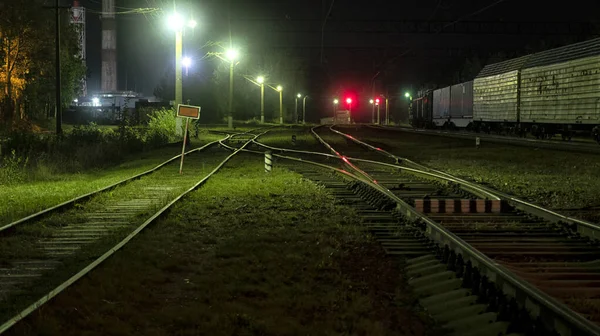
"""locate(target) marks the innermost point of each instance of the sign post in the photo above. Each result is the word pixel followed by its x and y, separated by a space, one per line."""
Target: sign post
pixel 188 112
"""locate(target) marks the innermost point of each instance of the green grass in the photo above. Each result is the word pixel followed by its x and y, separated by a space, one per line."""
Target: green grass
pixel 247 254
pixel 554 179
pixel 20 200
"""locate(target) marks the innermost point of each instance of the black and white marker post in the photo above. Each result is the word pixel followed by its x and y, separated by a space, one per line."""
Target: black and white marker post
pixel 188 112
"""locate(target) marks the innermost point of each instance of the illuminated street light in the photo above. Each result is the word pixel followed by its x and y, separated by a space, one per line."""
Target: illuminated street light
pixel 299 95
pixel 407 95
pixel 186 62
pixel 232 54
pixel 175 21
pixel 279 88
pixel 335 102
pixel 261 82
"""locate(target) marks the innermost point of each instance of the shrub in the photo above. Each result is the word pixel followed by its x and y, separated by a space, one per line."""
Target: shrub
pixel 12 168
pixel 161 126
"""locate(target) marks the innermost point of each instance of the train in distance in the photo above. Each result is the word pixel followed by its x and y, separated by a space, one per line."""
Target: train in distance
pixel 543 94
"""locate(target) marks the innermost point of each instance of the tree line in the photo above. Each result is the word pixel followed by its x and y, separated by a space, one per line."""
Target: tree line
pixel 27 63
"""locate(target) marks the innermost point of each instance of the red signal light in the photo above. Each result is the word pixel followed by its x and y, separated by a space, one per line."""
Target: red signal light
pixel 377 100
pixel 349 100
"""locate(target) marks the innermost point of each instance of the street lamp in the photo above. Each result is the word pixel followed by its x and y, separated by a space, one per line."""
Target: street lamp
pixel 280 89
pixel 299 95
pixel 335 102
pixel 232 55
pixel 187 62
pixel 261 81
pixel 304 110
pixel 175 22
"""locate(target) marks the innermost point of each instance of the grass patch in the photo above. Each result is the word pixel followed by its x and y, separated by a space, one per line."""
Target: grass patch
pixel 22 199
pixel 247 254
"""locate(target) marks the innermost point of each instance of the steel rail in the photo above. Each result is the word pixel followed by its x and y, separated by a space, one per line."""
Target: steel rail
pixel 589 148
pixel 11 322
pixel 468 188
pixel 72 201
pixel 586 228
pixel 553 313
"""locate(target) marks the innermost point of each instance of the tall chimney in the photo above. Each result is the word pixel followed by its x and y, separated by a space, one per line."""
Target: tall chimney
pixel 109 47
pixel 78 20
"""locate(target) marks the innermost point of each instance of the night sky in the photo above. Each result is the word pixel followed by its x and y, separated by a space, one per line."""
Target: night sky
pixel 361 38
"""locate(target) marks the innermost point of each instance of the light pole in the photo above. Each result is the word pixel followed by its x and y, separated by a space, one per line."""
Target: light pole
pixel 175 22
pixel 304 110
pixel 261 81
pixel 280 89
pixel 409 96
pixel 186 61
pixel 372 110
pixel 231 55
pixel 299 95
pixel 335 102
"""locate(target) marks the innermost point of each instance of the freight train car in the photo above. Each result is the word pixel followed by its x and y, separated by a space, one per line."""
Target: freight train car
pixel 560 90
pixel 550 92
pixel 420 113
pixel 547 93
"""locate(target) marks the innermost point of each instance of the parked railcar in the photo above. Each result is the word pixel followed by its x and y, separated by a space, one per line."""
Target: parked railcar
pixel 550 92
pixel 421 110
pixel 496 95
pixel 560 90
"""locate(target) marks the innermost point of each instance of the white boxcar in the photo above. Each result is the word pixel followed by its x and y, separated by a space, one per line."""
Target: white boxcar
pixel 562 85
pixel 441 106
pixel 496 91
pixel 461 104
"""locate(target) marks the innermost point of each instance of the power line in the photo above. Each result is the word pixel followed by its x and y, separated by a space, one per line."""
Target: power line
pixel 479 11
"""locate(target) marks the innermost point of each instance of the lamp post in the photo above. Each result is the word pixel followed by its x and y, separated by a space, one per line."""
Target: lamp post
pixel 186 61
pixel 335 102
pixel 372 102
pixel 299 95
pixel 175 22
pixel 261 81
pixel 280 89
pixel 304 110
pixel 409 96
pixel 231 55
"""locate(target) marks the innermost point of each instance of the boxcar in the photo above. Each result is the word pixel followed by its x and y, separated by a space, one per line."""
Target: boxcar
pixel 496 92
pixel 560 88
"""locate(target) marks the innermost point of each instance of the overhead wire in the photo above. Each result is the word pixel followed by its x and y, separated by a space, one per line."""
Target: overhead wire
pixel 479 11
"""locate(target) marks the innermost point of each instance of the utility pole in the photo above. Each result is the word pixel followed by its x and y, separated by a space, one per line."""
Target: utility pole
pixel 58 108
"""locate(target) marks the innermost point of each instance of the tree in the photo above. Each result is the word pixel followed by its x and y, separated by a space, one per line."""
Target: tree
pixel 27 67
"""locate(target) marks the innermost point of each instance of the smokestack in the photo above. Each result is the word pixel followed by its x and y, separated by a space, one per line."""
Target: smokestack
pixel 78 19
pixel 109 47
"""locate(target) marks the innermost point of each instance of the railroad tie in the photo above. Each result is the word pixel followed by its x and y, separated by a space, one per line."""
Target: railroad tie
pixel 458 206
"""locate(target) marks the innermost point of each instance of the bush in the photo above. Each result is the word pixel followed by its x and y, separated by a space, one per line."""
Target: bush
pixel 12 169
pixel 84 147
pixel 161 126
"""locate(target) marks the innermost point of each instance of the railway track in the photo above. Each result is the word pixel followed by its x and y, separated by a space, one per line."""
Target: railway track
pixel 44 253
pixel 481 267
pixel 569 146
